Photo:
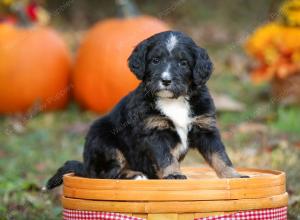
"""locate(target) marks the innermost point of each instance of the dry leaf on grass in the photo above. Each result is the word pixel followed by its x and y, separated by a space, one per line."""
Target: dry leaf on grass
pixel 252 127
pixel 226 103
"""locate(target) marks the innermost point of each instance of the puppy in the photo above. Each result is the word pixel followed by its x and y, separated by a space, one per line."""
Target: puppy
pixel 150 130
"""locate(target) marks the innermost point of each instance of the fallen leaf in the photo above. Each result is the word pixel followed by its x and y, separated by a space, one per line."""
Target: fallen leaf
pixel 297 144
pixel 226 103
pixel 252 127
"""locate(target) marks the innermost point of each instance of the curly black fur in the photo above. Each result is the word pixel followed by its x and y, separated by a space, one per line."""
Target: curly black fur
pixel 136 139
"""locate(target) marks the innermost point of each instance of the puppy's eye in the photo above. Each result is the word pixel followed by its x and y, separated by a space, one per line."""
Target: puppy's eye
pixel 183 63
pixel 155 60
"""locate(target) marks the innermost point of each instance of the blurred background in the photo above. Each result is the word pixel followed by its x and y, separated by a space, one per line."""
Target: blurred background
pixel 63 64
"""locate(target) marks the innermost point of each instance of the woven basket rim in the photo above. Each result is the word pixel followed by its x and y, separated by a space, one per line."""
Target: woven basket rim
pixel 258 178
pixel 204 186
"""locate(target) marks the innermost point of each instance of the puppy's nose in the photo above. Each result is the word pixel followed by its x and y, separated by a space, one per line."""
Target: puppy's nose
pixel 166 82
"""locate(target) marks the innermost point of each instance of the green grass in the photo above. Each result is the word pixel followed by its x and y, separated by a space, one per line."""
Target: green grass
pixel 28 157
pixel 288 120
pixel 30 154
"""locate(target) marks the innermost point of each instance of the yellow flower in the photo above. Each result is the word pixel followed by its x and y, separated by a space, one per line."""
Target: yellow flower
pixel 290 12
pixel 290 38
pixel 270 55
pixel 264 37
pixel 276 46
pixel 7 2
pixel 296 57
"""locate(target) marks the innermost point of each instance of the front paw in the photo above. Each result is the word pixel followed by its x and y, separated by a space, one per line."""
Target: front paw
pixel 140 177
pixel 230 172
pixel 175 176
pixel 238 175
pixel 243 176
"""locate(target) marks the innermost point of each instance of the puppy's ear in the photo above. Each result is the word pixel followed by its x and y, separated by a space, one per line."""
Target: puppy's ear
pixel 137 59
pixel 203 66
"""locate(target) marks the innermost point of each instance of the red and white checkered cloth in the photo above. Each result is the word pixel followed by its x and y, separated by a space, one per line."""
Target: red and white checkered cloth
pixel 69 214
pixel 262 214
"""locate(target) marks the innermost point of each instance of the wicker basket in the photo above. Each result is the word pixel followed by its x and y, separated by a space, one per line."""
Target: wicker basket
pixel 202 195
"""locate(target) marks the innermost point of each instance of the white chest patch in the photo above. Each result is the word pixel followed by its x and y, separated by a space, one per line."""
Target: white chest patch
pixel 178 110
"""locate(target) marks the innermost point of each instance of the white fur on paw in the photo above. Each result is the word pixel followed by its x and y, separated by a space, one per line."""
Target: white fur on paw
pixel 140 177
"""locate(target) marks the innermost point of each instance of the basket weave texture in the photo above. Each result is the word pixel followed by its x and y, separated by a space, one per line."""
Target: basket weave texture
pixel 201 196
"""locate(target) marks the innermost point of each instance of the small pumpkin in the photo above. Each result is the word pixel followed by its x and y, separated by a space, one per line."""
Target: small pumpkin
pixel 101 76
pixel 34 68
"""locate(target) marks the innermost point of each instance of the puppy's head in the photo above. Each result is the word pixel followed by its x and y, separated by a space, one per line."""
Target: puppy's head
pixel 169 63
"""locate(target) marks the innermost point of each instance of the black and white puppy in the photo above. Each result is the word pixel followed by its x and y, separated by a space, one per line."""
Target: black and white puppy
pixel 150 130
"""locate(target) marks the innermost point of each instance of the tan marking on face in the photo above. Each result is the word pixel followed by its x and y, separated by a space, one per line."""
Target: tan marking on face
pixel 158 122
pixel 222 170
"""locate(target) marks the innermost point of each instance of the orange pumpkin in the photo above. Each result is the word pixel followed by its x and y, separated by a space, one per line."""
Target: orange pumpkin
pixel 34 68
pixel 101 76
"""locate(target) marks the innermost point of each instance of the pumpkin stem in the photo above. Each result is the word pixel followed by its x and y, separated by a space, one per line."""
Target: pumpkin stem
pixel 127 8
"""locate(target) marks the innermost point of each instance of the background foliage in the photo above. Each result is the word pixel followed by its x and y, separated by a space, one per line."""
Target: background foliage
pixel 262 134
